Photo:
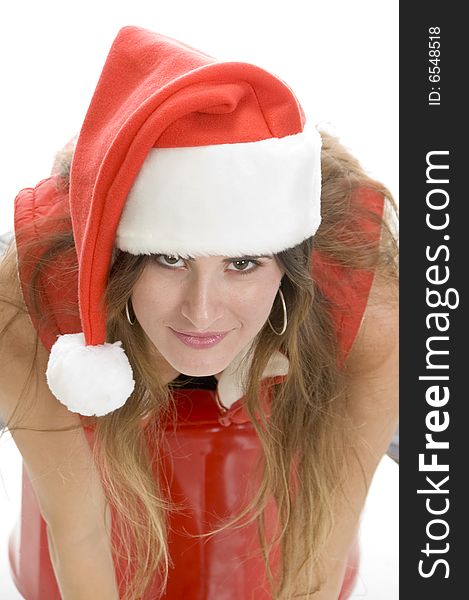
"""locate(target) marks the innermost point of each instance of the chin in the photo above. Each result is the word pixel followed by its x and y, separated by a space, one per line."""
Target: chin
pixel 201 368
pixel 191 373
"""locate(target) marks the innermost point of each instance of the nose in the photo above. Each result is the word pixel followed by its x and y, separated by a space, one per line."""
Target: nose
pixel 202 303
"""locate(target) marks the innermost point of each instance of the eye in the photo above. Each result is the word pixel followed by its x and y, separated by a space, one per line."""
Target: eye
pixel 245 261
pixel 171 260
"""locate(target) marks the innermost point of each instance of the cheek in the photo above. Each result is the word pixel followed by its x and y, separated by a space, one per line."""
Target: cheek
pixel 254 304
pixel 257 301
pixel 152 300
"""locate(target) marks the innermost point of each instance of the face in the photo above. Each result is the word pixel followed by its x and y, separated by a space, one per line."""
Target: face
pixel 204 295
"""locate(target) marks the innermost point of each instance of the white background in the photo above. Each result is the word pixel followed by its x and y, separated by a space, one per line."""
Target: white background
pixel 340 58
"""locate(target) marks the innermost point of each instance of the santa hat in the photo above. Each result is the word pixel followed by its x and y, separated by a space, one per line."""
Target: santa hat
pixel 176 143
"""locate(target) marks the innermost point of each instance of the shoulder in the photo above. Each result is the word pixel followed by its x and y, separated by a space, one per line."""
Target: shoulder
pixel 372 374
pixel 377 339
pixel 23 358
pixel 16 331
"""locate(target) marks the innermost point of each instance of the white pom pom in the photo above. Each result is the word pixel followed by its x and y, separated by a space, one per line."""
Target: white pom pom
pixel 89 380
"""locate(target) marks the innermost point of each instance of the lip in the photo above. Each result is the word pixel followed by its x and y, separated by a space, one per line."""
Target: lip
pixel 201 335
pixel 207 340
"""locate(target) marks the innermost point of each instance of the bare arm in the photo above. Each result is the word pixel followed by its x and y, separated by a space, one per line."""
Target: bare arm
pixel 60 467
pixel 83 567
pixel 372 372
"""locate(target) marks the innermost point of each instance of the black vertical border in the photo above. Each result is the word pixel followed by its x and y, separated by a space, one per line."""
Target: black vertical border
pixel 425 128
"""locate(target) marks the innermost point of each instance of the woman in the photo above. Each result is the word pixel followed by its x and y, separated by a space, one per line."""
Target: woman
pixel 159 463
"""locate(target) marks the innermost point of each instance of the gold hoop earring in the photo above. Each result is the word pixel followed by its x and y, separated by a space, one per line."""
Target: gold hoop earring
pixel 285 318
pixel 127 313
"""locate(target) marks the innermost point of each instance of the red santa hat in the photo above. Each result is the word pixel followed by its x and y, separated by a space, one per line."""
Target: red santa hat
pixel 176 143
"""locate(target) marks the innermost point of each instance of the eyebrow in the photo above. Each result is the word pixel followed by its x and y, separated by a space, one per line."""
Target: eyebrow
pixel 231 259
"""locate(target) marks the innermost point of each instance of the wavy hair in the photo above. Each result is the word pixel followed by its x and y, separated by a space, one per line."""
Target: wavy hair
pixel 305 442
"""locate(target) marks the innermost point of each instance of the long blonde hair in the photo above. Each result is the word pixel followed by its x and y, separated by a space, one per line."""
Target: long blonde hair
pixel 304 442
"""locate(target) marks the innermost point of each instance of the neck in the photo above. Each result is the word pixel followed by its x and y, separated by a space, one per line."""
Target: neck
pixel 176 374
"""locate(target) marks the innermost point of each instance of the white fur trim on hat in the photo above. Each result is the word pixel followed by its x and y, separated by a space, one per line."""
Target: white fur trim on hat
pixel 225 199
pixel 89 380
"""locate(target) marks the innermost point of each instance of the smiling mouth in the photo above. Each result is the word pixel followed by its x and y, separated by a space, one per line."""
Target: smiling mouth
pixel 206 334
pixel 197 341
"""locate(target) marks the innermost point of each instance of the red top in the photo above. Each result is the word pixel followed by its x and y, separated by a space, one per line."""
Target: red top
pixel 211 453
